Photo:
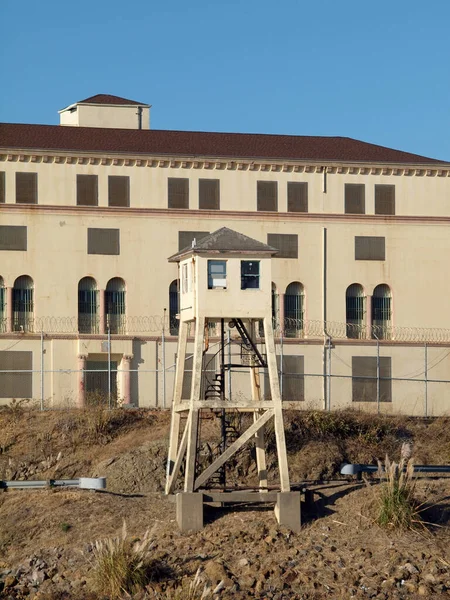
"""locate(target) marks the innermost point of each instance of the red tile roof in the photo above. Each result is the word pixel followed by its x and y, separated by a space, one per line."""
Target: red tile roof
pixel 201 144
pixel 108 99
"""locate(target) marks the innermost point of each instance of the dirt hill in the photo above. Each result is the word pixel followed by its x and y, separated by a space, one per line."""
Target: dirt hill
pixel 47 537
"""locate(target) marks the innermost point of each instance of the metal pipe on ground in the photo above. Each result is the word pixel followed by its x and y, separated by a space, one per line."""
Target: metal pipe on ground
pixel 85 483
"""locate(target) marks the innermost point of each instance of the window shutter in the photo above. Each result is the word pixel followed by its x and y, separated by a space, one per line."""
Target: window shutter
pixel 19 384
pixel 26 188
pixel 178 192
pixel 355 198
pixel 286 244
pixel 297 197
pixel 103 241
pixel 87 190
pixel 13 237
pixel 385 199
pixel 118 190
pixel 364 379
pixel 209 194
pixel 2 187
pixel 185 238
pixel 267 195
pixel 370 248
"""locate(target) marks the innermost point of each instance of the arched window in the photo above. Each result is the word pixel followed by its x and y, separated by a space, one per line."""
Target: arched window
pixel 23 304
pixel 173 307
pixel 382 312
pixel 115 305
pixel 355 310
pixel 87 306
pixel 275 307
pixel 294 309
pixel 2 306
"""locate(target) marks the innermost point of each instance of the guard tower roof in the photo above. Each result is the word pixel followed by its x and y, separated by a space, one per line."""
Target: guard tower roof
pixel 225 241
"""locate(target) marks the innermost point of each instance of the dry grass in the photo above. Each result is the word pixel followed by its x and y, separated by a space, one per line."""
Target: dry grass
pixel 122 565
pixel 398 507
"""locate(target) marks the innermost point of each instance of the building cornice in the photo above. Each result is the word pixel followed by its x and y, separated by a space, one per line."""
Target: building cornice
pixel 220 215
pixel 222 164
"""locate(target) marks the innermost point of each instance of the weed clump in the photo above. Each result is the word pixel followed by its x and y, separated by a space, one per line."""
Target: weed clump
pixel 398 507
pixel 122 565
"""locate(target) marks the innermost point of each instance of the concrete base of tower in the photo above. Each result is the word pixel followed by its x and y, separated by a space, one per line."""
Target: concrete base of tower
pixel 288 510
pixel 189 511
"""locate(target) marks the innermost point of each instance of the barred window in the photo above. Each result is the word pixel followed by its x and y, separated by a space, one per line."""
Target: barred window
pixel 364 379
pixel 118 190
pixel 103 241
pixel 115 305
pixel 297 196
pixel 2 187
pixel 26 188
pixel 355 198
pixel 267 195
pixel 370 247
pixel 13 237
pixel 385 199
pixel 87 190
pixel 178 192
pixel 209 194
pixel 20 383
pixel 285 243
pixel 185 238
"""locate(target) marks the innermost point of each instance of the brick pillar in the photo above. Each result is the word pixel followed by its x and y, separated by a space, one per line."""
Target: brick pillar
pixel 101 311
pixel 369 317
pixel 9 309
pixel 82 359
pixel 126 364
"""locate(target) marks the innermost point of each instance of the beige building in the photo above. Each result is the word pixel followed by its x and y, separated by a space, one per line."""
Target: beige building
pixel 90 211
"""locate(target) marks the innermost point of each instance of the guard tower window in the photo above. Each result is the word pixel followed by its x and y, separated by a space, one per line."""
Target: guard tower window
pixel 217 274
pixel 249 274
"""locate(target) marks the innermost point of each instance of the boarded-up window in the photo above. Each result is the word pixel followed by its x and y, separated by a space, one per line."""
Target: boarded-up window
pixel 385 199
pixel 26 188
pixel 19 384
pixel 370 247
pixel 286 244
pixel 13 237
pixel 185 238
pixel 87 190
pixel 355 202
pixel 209 194
pixel 291 377
pixel 103 241
pixel 2 187
pixel 178 192
pixel 118 190
pixel 267 195
pixel 297 196
pixel 364 379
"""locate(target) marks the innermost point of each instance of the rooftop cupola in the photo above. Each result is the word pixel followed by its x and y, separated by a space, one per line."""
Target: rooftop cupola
pixel 107 111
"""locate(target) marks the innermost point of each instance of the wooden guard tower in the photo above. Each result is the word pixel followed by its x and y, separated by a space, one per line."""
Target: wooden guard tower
pixel 225 278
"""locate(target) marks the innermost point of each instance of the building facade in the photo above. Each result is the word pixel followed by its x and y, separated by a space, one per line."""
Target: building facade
pixel 91 209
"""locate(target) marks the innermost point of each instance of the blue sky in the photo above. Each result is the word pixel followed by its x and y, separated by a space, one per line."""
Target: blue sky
pixel 376 71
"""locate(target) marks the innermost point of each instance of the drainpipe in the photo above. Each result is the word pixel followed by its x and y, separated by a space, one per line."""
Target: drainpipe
pixel 139 114
pixel 326 335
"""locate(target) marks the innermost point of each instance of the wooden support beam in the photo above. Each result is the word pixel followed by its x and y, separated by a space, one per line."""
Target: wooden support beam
pixel 225 404
pixel 171 478
pixel 234 447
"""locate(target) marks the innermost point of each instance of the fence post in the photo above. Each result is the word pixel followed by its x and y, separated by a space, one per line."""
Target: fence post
pixel 281 362
pixel 378 376
pixel 426 380
pixel 42 370
pixel 163 359
pixel 109 367
pixel 329 373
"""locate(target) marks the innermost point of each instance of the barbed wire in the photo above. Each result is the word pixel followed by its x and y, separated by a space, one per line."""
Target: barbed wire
pixel 157 324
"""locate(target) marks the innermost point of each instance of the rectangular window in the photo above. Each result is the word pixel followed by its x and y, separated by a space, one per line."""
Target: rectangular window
pixel 103 241
pixel 2 187
pixel 209 194
pixel 178 192
pixel 249 274
pixel 364 379
pixel 26 188
pixel 18 384
pixel 385 199
pixel 87 190
pixel 297 196
pixel 370 247
pixel 355 202
pixel 285 243
pixel 291 377
pixel 217 274
pixel 185 238
pixel 267 195
pixel 13 237
pixel 118 190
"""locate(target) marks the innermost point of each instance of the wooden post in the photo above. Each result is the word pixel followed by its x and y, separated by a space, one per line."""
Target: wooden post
pixel 260 449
